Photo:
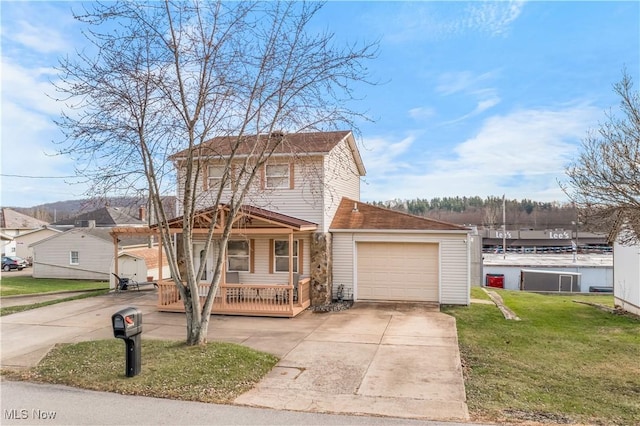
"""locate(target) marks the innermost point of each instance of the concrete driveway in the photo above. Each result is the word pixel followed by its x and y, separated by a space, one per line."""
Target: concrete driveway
pixel 398 360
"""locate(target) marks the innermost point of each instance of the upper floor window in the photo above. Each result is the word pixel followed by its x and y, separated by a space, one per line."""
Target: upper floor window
pixel 74 258
pixel 277 176
pixel 214 177
pixel 238 256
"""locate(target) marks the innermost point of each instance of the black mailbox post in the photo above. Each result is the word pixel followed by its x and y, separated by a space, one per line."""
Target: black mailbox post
pixel 127 325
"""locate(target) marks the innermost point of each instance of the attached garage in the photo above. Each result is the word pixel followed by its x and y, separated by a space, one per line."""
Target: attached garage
pixel 397 271
pixel 385 255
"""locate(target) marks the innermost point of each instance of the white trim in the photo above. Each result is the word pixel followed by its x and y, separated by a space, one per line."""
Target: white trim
pixel 401 231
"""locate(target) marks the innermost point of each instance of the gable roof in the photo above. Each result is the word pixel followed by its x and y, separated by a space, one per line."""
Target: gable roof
pixel 354 215
pixel 305 143
pixel 100 233
pixel 268 218
pixel 104 217
pixel 11 219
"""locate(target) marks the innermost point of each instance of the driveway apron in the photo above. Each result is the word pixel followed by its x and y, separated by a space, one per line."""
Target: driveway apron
pixel 398 360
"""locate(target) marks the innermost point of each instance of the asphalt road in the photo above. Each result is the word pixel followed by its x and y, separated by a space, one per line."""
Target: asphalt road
pixel 35 404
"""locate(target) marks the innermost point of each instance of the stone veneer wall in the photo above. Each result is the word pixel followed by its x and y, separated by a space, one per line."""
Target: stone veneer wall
pixel 321 269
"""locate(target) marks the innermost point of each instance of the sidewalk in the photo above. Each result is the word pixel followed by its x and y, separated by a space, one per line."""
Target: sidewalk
pixel 30 299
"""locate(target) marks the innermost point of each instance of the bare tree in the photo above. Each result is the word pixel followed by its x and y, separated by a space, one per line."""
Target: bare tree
pixel 604 181
pixel 166 77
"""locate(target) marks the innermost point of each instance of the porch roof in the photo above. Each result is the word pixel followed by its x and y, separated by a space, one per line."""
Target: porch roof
pixel 250 219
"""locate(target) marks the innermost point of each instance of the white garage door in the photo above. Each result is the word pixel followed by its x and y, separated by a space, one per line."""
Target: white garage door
pixel 397 271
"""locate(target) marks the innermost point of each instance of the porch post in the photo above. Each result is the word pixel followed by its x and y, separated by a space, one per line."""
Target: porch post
pixel 291 269
pixel 160 256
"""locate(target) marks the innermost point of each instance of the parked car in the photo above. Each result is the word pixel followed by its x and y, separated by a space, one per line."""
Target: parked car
pixel 13 262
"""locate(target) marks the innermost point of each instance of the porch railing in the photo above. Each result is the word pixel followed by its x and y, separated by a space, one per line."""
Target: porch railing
pixel 243 299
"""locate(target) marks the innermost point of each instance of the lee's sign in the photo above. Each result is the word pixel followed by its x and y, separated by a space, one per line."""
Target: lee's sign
pixel 503 234
pixel 559 235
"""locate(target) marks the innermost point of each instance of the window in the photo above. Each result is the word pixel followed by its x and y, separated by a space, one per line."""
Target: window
pixel 214 175
pixel 74 258
pixel 281 255
pixel 276 176
pixel 238 256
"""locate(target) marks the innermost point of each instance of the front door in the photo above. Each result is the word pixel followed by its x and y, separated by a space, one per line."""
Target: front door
pixel 202 257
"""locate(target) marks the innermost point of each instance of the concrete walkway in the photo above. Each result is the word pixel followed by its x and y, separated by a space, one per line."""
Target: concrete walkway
pixel 397 360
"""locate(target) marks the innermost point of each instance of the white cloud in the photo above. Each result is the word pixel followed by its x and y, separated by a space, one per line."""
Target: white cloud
pixel 382 156
pixel 38 38
pixel 493 17
pixel 438 20
pixel 522 154
pixel 421 113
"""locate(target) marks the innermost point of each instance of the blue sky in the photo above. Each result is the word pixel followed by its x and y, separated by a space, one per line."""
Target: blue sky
pixel 475 98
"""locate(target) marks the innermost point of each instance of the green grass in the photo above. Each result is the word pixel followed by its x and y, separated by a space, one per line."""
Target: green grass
pixel 216 372
pixel 19 285
pixel 563 362
pixel 20 308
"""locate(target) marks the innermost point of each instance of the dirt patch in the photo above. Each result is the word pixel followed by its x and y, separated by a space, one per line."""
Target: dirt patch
pixel 332 307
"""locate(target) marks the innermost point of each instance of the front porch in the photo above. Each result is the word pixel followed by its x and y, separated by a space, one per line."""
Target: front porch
pixel 272 300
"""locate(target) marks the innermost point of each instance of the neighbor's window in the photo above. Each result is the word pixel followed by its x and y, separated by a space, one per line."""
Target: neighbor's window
pixel 74 258
pixel 281 255
pixel 238 256
pixel 215 174
pixel 276 176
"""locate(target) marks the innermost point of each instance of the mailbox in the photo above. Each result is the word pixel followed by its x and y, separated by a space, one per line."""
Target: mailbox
pixel 127 325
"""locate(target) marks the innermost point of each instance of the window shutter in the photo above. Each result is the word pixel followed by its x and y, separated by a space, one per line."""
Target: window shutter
pixel 252 256
pixel 300 257
pixel 271 254
pixel 263 177
pixel 291 178
pixel 205 178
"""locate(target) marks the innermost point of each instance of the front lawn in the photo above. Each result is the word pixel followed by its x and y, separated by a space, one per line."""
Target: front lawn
pixel 216 372
pixel 19 285
pixel 564 362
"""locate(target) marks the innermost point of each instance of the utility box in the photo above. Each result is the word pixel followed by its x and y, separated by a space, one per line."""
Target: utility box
pixel 549 281
pixel 127 325
pixel 495 280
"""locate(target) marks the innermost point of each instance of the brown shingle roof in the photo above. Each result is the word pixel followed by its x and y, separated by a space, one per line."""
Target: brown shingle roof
pixel 202 218
pixel 293 143
pixel 353 214
pixel 150 256
pixel 11 219
pixel 105 216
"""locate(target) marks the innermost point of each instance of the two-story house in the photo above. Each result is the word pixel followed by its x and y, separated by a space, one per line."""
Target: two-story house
pixel 303 216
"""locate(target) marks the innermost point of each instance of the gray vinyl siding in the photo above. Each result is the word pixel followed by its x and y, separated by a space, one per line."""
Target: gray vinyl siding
pixel 52 257
pixel 454 272
pixel 303 201
pixel 454 265
pixel 261 273
pixel 342 179
pixel 343 262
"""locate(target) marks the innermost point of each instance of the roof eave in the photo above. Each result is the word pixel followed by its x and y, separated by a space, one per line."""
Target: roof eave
pixel 403 231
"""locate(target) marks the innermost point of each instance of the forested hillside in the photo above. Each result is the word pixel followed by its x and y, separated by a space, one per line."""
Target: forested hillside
pixel 483 212
pixel 487 212
pixel 61 210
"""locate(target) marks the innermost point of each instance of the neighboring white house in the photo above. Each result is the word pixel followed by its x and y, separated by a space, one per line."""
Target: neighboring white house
pixel 12 224
pixel 79 253
pixel 24 241
pixel 311 187
pixel 86 250
pixel 626 277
